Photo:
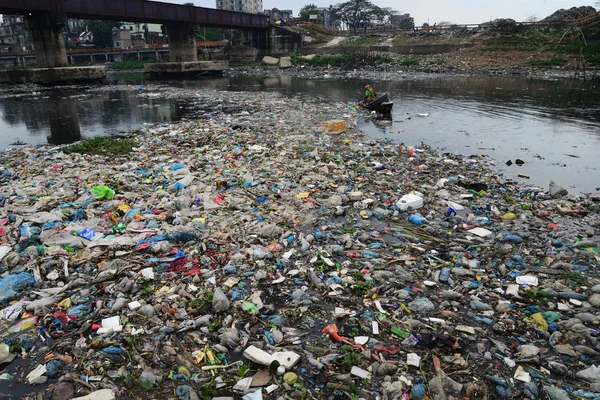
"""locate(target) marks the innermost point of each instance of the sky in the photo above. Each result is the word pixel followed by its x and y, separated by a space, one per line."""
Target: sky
pixel 432 11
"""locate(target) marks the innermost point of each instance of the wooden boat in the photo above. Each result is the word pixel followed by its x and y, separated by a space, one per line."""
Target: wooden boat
pixel 381 104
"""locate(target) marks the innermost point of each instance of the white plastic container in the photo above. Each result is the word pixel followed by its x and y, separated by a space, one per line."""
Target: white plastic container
pixel 410 201
pixel 527 280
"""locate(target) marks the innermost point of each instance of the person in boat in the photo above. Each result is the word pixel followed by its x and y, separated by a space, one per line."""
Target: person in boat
pixel 370 94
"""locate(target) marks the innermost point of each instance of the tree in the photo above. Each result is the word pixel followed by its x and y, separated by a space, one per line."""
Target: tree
pixel 334 18
pixel 362 14
pixel 102 32
pixel 308 10
pixel 209 34
pixel 406 23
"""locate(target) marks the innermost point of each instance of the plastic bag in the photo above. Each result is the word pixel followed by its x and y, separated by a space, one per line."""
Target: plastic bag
pixel 12 284
pixel 103 193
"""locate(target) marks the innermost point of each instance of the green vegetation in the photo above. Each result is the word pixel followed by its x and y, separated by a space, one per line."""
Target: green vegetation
pixel 594 59
pixel 408 62
pixel 102 32
pixel 548 40
pixel 308 10
pixel 102 146
pixel 440 61
pixel 131 64
pixel 348 227
pixel 323 266
pixel 210 34
pixel 350 357
pixel 201 304
pixel 573 277
pixel 362 288
pixel 386 60
pixel 361 14
pixel 531 40
pixel 535 295
pixel 591 52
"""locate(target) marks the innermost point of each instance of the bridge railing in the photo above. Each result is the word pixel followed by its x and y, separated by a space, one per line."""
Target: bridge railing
pixel 99 50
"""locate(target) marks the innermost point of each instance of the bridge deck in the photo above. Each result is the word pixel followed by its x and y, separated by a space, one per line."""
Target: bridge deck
pixel 137 11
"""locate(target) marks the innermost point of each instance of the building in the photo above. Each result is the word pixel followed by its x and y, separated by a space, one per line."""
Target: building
pixel 247 6
pixel 122 38
pixel 278 15
pixel 146 34
pixel 323 17
pixel 77 34
pixel 143 29
pixel 13 34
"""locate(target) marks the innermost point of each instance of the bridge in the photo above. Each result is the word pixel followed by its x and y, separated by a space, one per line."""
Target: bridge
pixel 47 18
pixel 137 11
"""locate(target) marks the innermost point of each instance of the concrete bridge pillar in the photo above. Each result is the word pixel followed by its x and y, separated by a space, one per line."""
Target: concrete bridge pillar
pixel 182 42
pixel 48 41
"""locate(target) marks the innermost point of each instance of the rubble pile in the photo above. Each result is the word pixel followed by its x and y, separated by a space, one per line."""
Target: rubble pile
pixel 571 14
pixel 249 253
pixel 500 23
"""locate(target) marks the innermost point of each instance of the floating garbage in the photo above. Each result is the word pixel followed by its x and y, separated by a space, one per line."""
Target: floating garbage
pixel 249 253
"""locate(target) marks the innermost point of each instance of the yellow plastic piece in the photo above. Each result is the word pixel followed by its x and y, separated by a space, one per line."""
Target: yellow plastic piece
pixel 538 319
pixel 335 126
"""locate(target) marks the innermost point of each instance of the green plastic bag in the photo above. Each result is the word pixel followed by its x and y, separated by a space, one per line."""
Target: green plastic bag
pixel 249 308
pixel 103 193
pixel 552 316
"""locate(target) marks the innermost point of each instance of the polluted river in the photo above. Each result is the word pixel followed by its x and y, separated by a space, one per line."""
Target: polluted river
pixel 263 237
pixel 552 125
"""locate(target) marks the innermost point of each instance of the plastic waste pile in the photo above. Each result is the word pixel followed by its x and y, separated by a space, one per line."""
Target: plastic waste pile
pixel 249 254
pixel 572 14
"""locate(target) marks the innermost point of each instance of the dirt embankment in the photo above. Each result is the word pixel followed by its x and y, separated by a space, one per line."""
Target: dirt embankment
pixel 537 50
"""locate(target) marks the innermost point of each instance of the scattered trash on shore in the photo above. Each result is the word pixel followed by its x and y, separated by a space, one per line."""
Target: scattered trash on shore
pixel 248 253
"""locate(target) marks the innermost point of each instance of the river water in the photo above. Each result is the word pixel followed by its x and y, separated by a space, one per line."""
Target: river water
pixel 553 126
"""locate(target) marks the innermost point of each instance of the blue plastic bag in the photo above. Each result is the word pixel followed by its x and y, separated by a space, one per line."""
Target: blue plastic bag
pixel 12 284
pixel 513 239
pixel 417 219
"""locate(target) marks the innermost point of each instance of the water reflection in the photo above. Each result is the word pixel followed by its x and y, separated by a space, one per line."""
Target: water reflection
pixel 493 96
pixel 64 122
pixel 65 116
pixel 506 118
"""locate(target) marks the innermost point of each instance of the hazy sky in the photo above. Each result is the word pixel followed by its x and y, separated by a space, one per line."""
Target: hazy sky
pixel 457 11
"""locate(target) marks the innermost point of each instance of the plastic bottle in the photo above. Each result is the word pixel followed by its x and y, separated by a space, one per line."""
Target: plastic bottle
pixel 444 274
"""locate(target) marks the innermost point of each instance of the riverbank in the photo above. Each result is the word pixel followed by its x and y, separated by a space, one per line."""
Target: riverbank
pixel 435 66
pixel 391 67
pixel 250 227
pixel 483 50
